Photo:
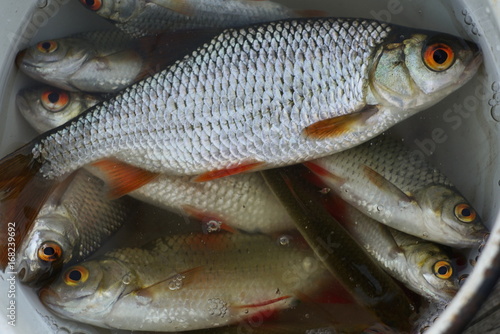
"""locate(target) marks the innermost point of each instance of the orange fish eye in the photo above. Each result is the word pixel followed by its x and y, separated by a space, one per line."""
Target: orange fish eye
pixel 47 46
pixel 465 213
pixel 54 100
pixel 76 275
pixel 439 57
pixel 49 252
pixel 92 4
pixel 443 269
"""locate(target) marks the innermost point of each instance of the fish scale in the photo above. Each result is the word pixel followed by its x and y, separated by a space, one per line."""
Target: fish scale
pixel 190 117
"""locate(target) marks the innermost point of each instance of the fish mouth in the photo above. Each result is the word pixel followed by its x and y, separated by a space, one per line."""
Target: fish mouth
pixel 49 297
pixel 473 66
pixel 19 58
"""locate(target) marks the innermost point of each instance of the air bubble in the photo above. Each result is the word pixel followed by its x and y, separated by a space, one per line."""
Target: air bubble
pixel 126 279
pixel 213 226
pixel 495 86
pixel 42 3
pixel 176 282
pixel 380 208
pixel 284 240
pixel 468 19
pixel 495 113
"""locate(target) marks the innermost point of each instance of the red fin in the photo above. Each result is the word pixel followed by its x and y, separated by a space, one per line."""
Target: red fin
pixel 211 222
pixel 264 303
pixel 23 191
pixel 217 174
pixel 338 126
pixel 317 169
pixel 123 178
pixel 174 282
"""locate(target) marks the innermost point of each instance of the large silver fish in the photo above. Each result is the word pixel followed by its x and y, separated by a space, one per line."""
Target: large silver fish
pixel 383 180
pixel 253 98
pixel 241 201
pixel 185 282
pixel 73 223
pixel 104 61
pixel 148 17
pixel 423 266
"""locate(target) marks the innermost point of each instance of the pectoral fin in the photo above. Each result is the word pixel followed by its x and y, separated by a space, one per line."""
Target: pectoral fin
pixel 338 126
pixel 123 178
pixel 263 303
pixel 217 174
pixel 385 185
pixel 211 222
pixel 320 171
pixel 174 282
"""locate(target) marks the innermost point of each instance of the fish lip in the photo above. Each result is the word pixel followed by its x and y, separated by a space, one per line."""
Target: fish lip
pixel 19 58
pixel 472 67
pixel 48 296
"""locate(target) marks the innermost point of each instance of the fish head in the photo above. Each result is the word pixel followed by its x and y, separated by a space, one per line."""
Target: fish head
pixel 415 70
pixel 48 246
pixel 47 107
pixel 87 291
pixel 449 215
pixel 433 271
pixel 116 11
pixel 53 60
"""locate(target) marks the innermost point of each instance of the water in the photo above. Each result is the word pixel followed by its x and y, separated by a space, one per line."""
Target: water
pixel 478 130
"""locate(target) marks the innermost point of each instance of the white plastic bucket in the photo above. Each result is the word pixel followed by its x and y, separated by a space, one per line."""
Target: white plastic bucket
pixel 468 152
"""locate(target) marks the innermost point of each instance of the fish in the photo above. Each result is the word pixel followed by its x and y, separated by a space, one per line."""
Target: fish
pixel 383 179
pixel 424 267
pixel 74 222
pixel 104 61
pixel 140 18
pixel 241 202
pixel 185 282
pixel 47 107
pixel 358 273
pixel 250 99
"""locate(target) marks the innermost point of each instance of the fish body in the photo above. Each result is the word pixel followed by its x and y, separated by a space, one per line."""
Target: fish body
pixel 423 266
pixel 72 224
pixel 240 201
pixel 253 98
pixel 147 17
pixel 46 107
pixel 185 282
pixel 383 180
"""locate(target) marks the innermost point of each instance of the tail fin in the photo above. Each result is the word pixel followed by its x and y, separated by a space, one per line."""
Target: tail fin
pixel 22 193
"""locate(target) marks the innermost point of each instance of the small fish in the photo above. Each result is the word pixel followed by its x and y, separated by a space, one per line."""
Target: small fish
pixel 252 98
pixel 72 224
pixel 104 61
pixel 46 107
pixel 185 282
pixel 242 201
pixel 422 266
pixel 383 180
pixel 139 18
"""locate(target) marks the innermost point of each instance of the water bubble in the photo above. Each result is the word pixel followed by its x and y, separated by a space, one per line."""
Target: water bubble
pixel 284 240
pixel 325 191
pixel 213 226
pixel 126 279
pixel 42 3
pixel 217 307
pixel 495 113
pixel 465 12
pixel 176 282
pixel 495 86
pixel 380 208
pixel 468 19
pixel 492 102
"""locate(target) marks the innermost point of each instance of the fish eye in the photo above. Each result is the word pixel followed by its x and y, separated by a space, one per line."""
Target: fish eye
pixel 49 252
pixel 54 100
pixel 47 46
pixel 438 57
pixel 465 213
pixel 443 269
pixel 76 275
pixel 92 4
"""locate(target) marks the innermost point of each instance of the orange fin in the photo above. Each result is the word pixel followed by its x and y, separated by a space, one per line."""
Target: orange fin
pixel 123 178
pixel 320 171
pixel 174 282
pixel 264 303
pixel 211 222
pixel 384 184
pixel 338 126
pixel 217 174
pixel 23 192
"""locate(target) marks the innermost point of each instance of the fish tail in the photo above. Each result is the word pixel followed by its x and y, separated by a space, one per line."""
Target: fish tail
pixel 23 191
